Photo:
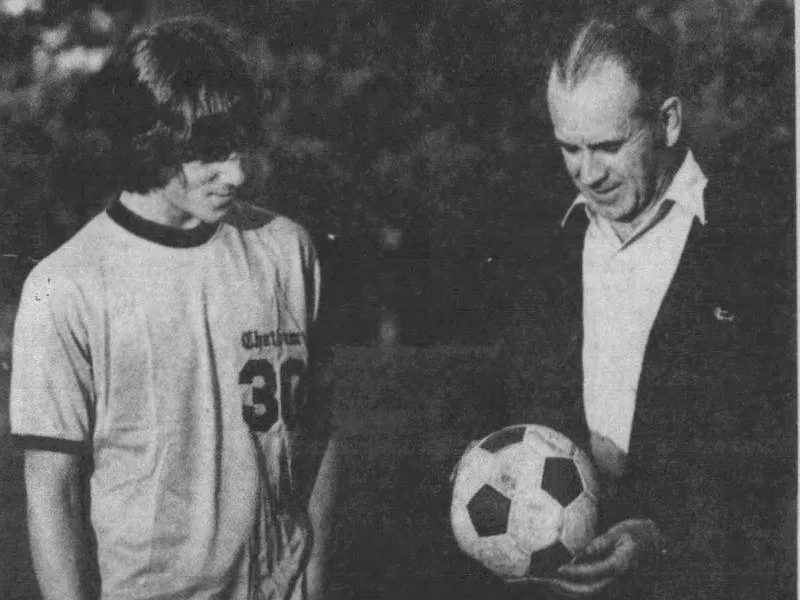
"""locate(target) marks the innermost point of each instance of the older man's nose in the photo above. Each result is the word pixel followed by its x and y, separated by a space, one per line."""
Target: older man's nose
pixel 592 170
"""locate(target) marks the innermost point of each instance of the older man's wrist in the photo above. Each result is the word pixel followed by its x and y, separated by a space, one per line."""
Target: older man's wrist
pixel 662 549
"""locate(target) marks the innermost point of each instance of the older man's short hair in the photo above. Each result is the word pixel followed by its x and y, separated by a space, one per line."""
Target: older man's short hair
pixel 178 91
pixel 645 56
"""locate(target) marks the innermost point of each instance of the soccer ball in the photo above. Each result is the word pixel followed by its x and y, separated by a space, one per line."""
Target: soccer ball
pixel 524 501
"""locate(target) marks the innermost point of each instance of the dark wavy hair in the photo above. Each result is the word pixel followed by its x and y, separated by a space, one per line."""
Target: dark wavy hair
pixel 176 92
pixel 645 56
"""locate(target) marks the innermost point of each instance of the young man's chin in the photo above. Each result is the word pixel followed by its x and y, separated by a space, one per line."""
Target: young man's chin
pixel 217 213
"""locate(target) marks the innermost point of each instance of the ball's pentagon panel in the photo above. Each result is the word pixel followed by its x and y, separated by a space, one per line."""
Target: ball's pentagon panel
pixel 488 511
pixel 587 473
pixel 503 438
pixel 524 501
pixel 559 443
pixel 518 467
pixel 535 520
pixel 502 556
pixel 561 480
pixel 464 531
pixel 477 467
pixel 546 562
pixel 579 520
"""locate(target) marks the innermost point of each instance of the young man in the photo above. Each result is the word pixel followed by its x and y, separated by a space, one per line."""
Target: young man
pixel 164 382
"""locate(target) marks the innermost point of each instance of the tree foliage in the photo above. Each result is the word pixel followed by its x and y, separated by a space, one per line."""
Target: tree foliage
pixel 428 117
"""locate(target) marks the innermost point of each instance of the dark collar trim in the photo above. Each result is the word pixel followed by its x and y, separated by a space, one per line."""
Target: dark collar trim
pixel 36 442
pixel 155 232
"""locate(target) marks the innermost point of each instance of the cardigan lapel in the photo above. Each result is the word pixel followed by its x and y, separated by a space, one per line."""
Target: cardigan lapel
pixel 570 255
pixel 681 324
pixel 681 317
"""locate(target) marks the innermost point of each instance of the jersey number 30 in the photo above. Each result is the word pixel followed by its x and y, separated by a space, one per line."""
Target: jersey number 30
pixel 266 407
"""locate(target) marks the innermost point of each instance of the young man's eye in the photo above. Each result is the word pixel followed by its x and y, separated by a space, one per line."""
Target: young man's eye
pixel 216 154
pixel 568 148
pixel 211 153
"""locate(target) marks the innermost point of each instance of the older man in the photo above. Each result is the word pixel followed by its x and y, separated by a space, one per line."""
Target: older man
pixel 649 346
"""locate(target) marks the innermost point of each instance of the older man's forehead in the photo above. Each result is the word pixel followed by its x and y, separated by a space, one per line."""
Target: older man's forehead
pixel 607 69
pixel 598 108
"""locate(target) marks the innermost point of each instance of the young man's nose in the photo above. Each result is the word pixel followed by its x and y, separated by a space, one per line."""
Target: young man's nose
pixel 232 172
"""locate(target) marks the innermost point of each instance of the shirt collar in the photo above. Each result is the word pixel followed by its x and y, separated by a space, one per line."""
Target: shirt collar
pixel 685 190
pixel 155 232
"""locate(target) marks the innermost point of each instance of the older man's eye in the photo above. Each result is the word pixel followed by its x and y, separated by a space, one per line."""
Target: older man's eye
pixel 610 147
pixel 568 148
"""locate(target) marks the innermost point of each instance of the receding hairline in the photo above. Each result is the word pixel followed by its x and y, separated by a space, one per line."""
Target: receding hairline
pixel 594 70
pixel 642 54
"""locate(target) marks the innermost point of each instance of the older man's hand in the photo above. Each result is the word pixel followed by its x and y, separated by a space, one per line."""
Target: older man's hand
pixel 609 557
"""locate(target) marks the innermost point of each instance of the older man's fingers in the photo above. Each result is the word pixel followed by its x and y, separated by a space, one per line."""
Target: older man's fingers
pixel 573 589
pixel 599 546
pixel 616 563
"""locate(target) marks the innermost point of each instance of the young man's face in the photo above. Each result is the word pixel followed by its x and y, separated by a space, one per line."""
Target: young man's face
pixel 611 153
pixel 202 192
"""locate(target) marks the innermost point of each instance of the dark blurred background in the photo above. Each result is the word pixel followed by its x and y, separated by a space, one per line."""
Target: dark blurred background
pixel 412 139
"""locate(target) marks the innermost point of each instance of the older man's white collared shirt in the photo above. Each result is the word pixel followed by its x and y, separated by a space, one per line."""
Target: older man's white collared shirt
pixel 624 285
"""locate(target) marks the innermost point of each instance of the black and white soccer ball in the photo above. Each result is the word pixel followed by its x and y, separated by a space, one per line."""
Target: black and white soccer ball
pixel 524 501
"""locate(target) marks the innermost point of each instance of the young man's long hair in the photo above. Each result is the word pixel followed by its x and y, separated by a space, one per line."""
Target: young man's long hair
pixel 177 91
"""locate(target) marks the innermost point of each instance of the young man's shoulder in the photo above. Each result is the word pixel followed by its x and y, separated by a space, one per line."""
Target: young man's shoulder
pixel 266 224
pixel 81 253
pixel 70 275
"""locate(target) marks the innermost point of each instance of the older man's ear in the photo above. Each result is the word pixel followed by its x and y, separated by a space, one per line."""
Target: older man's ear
pixel 671 114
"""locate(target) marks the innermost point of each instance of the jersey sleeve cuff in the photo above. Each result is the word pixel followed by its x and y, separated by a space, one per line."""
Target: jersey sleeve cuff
pixel 50 444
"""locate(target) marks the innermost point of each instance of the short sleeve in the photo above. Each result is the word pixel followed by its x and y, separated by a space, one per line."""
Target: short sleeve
pixel 312 276
pixel 318 413
pixel 51 378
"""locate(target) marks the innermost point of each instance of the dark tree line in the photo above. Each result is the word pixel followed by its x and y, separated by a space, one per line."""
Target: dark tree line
pixel 426 117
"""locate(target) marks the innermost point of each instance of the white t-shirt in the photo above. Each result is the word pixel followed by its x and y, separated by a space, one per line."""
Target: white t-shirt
pixel 153 357
pixel 624 285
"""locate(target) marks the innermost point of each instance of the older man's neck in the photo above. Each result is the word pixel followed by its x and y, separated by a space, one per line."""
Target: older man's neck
pixel 625 230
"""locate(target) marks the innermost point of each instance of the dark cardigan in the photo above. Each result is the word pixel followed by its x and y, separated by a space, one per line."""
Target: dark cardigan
pixel 714 408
